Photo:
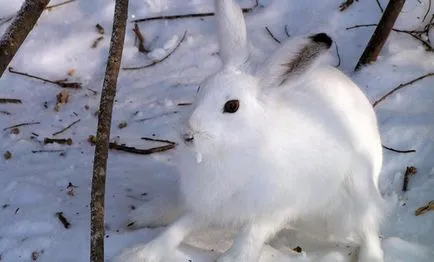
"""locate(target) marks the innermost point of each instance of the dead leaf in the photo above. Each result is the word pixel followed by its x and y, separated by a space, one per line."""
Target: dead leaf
pixel 62 98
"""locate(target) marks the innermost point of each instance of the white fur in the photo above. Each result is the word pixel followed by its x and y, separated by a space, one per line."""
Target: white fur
pixel 306 153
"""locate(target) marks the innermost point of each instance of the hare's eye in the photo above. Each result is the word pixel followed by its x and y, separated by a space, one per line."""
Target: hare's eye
pixel 231 106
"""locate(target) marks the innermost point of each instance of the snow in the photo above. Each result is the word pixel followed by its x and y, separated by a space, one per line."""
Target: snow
pixel 33 186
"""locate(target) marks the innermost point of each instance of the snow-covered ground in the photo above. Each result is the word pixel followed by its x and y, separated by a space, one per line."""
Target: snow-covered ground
pixel 34 186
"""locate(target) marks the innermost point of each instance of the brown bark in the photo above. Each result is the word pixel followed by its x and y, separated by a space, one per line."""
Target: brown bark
pixel 103 132
pixel 381 33
pixel 18 30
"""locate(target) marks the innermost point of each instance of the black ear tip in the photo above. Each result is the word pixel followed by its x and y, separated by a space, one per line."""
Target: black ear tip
pixel 322 38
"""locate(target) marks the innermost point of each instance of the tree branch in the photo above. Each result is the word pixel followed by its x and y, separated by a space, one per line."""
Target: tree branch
pixel 381 33
pixel 103 132
pixel 400 87
pixel 17 32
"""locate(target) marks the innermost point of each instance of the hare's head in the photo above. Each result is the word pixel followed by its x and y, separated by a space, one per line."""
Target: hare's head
pixel 232 107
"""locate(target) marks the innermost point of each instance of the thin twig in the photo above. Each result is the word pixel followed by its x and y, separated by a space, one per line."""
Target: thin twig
pixel 185 104
pixel 10 101
pixel 158 140
pixel 410 170
pixel 3 112
pixel 63 220
pixel 272 36
pixel 134 150
pixel 156 116
pixel 139 151
pixel 66 128
pixel 413 34
pixel 357 26
pixel 96 41
pixel 379 6
pixel 346 4
pixel 4 20
pixel 62 83
pixel 173 17
pixel 287 31
pixel 399 151
pixel 48 151
pixel 427 11
pixel 337 53
pixel 140 39
pixel 161 60
pixel 400 87
pixel 59 4
pixel 22 124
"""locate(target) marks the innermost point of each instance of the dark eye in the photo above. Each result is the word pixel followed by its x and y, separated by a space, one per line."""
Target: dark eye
pixel 231 106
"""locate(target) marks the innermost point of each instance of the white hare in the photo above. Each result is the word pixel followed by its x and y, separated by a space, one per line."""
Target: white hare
pixel 288 143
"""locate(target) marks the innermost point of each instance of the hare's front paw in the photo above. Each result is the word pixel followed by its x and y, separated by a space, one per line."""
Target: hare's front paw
pixel 140 253
pixel 370 255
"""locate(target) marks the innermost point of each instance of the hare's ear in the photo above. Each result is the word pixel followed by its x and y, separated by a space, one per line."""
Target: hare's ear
pixel 293 60
pixel 232 33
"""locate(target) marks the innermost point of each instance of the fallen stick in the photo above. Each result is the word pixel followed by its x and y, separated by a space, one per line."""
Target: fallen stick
pixel 399 151
pixel 140 39
pixel 22 124
pixel 134 150
pixel 3 112
pixel 410 170
pixel 425 208
pixel 48 151
pixel 10 101
pixel 173 17
pixel 62 83
pixel 139 151
pixel 158 140
pixel 96 41
pixel 400 87
pixel 161 60
pixel 344 6
pixel 66 128
pixel 63 220
pixel 62 141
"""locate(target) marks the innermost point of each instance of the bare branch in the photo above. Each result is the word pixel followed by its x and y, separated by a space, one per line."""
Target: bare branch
pixel 400 87
pixel 427 11
pixel 379 6
pixel 50 7
pixel 10 101
pixel 161 60
pixel 173 17
pixel 108 94
pixel 17 32
pixel 22 124
pixel 381 33
pixel 62 83
pixel 66 128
